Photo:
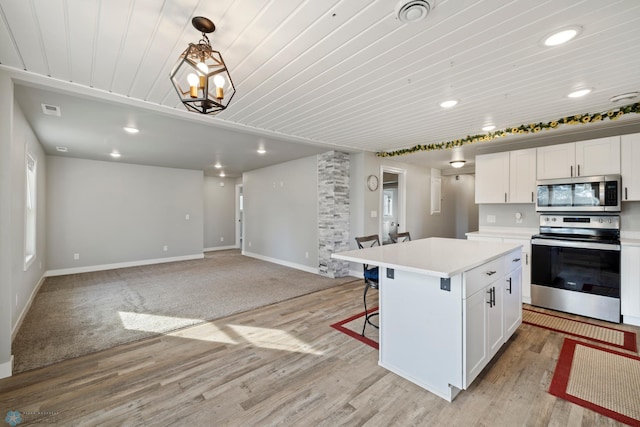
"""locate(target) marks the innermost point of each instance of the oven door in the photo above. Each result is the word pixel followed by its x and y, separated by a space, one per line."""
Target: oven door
pixel 576 277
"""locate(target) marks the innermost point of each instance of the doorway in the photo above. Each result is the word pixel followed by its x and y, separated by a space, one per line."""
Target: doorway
pixel 392 202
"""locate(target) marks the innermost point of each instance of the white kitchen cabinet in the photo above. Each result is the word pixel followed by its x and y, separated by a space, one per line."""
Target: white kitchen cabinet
pixel 525 265
pixel 630 285
pixel 522 175
pixel 483 307
pixel 583 158
pixel 492 178
pixel 507 177
pixel 629 161
pixel 512 299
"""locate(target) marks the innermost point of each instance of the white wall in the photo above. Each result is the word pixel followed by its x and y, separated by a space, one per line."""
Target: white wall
pixel 281 213
pixel 219 212
pixel 115 213
pixel 17 284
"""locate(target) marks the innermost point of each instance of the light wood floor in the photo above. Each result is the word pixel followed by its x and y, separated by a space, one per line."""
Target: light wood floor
pixel 284 365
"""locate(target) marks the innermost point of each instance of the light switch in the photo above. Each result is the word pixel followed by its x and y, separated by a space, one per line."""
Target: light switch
pixel 374 214
pixel 187 217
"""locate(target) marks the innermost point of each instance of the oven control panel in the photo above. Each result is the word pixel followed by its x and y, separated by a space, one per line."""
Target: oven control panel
pixel 580 221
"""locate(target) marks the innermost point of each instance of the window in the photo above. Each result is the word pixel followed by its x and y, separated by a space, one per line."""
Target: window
pixel 30 212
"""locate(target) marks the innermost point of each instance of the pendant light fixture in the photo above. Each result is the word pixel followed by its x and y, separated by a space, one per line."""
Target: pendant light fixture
pixel 457 159
pixel 200 76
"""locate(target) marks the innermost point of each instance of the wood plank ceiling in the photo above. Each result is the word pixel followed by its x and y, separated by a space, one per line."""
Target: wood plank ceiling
pixel 343 72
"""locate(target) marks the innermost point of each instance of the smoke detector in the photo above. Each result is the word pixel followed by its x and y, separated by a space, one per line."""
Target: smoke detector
pixel 413 10
pixel 624 97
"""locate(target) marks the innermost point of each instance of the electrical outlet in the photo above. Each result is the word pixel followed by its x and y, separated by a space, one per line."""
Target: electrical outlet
pixel 249 244
pixel 222 239
pixel 76 256
pixel 491 219
pixel 306 255
pixel 165 248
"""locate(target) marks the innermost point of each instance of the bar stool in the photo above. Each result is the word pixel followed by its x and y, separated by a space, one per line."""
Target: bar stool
pixel 370 276
pixel 405 236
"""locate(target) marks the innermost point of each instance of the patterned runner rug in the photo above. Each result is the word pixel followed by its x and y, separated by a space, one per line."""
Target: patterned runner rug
pixel 603 380
pixel 352 326
pixel 590 331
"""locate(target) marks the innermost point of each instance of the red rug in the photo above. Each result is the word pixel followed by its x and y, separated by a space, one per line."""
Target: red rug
pixel 590 331
pixel 352 326
pixel 603 380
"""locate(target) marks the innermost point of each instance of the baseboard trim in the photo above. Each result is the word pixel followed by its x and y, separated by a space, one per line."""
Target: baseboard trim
pixel 631 320
pixel 6 368
pixel 221 248
pixel 26 308
pixel 282 262
pixel 90 268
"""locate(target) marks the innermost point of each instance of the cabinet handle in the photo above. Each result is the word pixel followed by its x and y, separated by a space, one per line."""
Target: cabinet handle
pixel 490 273
pixel 493 295
pixel 578 170
pixel 526 257
pixel 515 260
pixel 505 197
pixel 509 280
pixel 532 197
pixel 571 171
pixel 490 302
pixel 626 196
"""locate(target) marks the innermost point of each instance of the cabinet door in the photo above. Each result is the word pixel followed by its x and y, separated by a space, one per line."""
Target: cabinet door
pixel 495 317
pixel 526 267
pixel 522 175
pixel 556 161
pixel 630 285
pixel 630 149
pixel 598 156
pixel 492 178
pixel 475 336
pixel 512 302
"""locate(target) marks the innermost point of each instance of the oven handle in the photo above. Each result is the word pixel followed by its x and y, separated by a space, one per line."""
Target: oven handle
pixel 574 244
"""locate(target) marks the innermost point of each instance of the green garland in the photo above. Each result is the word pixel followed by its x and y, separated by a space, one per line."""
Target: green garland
pixel 532 128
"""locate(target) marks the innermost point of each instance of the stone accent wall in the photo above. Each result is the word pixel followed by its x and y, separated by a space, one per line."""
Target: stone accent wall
pixel 333 212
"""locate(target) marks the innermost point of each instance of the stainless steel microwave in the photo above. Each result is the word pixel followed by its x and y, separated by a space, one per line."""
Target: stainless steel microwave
pixel 579 194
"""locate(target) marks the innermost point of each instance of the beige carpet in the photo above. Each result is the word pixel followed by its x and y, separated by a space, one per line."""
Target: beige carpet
pixel 79 314
pixel 602 380
pixel 597 333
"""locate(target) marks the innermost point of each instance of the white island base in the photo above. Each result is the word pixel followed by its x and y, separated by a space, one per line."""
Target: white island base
pixel 446 308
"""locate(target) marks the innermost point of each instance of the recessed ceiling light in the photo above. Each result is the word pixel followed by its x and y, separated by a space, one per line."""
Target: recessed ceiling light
pixel 115 154
pixel 62 149
pixel 457 163
pixel 488 128
pixel 624 96
pixel 413 10
pixel 217 165
pixel 261 151
pixel 449 104
pixel 561 36
pixel 131 130
pixel 579 93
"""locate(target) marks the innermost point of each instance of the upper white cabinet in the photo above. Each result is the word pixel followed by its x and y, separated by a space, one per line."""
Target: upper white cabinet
pixel 507 177
pixel 630 148
pixel 492 178
pixel 584 158
pixel 522 176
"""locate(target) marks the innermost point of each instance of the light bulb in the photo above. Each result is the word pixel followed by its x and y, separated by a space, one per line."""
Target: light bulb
pixel 202 67
pixel 219 82
pixel 193 85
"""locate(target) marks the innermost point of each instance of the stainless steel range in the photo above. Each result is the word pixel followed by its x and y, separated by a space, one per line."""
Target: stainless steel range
pixel 575 265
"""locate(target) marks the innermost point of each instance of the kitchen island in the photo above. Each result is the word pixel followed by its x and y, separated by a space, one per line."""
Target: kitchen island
pixel 446 307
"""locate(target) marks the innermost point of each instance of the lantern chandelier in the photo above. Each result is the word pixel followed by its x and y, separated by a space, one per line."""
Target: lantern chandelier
pixel 200 76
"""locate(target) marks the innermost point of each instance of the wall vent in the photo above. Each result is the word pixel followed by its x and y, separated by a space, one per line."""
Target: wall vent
pixel 51 110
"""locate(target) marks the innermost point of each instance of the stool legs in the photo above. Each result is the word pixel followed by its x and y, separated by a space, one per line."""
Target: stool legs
pixel 367 316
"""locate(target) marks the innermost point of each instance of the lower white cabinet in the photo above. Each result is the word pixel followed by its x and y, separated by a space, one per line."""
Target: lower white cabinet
pixel 630 285
pixel 512 301
pixel 526 260
pixel 491 313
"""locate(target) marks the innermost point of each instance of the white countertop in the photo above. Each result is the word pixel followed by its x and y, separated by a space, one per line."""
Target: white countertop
pixel 503 232
pixel 434 256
